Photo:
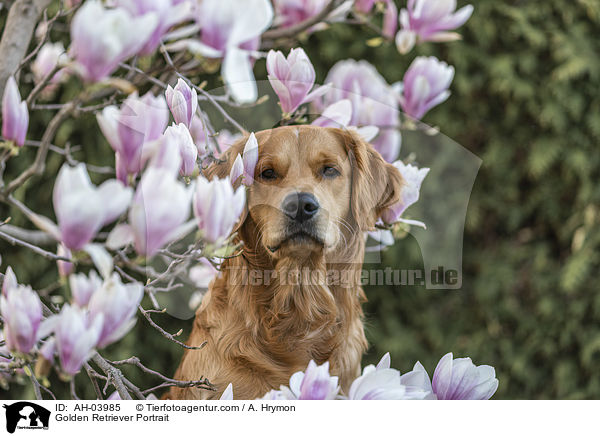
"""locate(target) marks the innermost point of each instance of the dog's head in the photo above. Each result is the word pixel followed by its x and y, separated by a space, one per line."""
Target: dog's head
pixel 315 189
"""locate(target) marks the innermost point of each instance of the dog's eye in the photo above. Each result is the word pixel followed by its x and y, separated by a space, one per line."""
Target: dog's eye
pixel 268 174
pixel 329 172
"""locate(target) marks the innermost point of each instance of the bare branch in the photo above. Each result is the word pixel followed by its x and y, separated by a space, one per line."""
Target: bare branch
pixel 48 255
pixel 202 383
pixel 114 376
pixel 35 237
pixel 167 335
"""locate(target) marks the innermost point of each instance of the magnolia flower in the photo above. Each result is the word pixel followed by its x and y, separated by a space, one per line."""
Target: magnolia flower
pixel 425 85
pixel 138 122
pixel 83 287
pixel 413 178
pixel 337 115
pixel 203 273
pixel 418 380
pixel 64 268
pixel 82 209
pixel 48 349
pixel 183 102
pixel 460 379
pixel 292 79
pixel 15 116
pixel 102 38
pixel 373 102
pixel 237 169
pixel 313 384
pixel 9 281
pixel 431 20
pixel 291 12
pixel 21 311
pixel 167 155
pixel 382 383
pixel 49 56
pixel 405 41
pixel 217 207
pixel 169 13
pixel 161 206
pixel 178 136
pixel 231 30
pixel 76 334
pixel 116 304
pixel 246 164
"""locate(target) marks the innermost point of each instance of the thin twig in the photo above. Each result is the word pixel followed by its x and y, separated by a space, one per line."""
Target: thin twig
pixel 15 241
pixel 202 383
pixel 35 383
pixel 167 335
pixel 92 376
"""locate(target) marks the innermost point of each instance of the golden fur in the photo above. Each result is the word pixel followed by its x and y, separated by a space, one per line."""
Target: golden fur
pixel 260 331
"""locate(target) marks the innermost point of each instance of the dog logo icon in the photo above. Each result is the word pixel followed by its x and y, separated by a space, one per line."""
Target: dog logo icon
pixel 26 415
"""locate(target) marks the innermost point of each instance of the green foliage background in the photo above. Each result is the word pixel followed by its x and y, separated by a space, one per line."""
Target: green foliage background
pixel 526 100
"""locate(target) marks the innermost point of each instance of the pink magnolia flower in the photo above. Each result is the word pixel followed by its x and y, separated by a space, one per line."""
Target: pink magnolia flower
pixel 460 379
pixel 179 137
pixel 127 130
pixel 292 79
pixel 83 287
pixel 313 384
pixel 291 12
pixel 82 209
pixel 49 56
pixel 102 38
pixel 431 20
pixel 373 102
pixel 76 334
pixel 237 169
pixel 161 206
pixel 169 13
pixel 116 304
pixel 203 273
pixel 217 208
pixel 183 102
pixel 413 177
pixel 231 30
pixel 9 281
pixel 21 311
pixel 15 116
pixel 425 85
pixel 250 158
pixel 382 383
pixel 418 380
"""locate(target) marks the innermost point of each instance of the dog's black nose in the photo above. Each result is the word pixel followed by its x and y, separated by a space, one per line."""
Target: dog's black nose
pixel 300 206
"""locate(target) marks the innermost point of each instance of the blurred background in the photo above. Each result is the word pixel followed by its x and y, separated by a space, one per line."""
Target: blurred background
pixel 526 100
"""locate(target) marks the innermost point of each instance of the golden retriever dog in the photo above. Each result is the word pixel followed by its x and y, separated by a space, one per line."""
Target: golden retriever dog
pixel 281 302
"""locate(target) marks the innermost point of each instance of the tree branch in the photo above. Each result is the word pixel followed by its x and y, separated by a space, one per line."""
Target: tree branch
pixel 20 24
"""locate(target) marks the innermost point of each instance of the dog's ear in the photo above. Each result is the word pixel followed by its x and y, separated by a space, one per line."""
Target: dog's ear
pixel 376 184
